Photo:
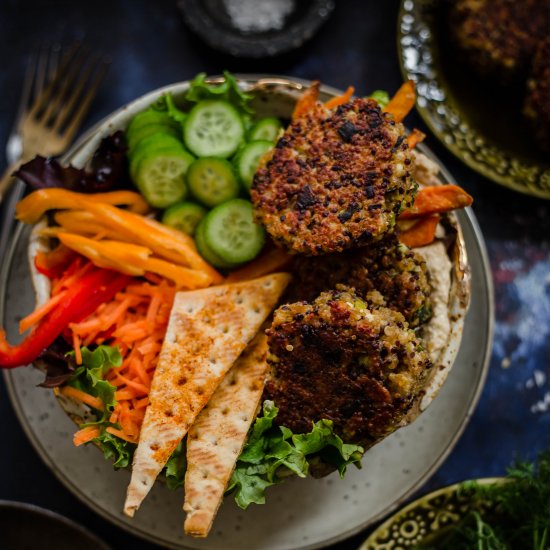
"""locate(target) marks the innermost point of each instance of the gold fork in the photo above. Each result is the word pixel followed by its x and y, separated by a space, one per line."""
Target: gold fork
pixel 48 125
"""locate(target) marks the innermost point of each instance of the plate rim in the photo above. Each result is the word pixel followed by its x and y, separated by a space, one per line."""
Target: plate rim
pixel 478 167
pixel 467 215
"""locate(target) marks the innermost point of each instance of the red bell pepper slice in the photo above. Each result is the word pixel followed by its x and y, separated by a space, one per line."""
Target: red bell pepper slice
pixel 53 264
pixel 83 298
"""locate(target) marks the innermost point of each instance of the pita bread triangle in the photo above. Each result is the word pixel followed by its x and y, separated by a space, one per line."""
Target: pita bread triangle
pixel 207 331
pixel 218 435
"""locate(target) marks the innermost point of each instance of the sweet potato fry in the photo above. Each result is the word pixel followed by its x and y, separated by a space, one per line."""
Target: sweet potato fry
pixel 421 233
pixel 415 137
pixel 436 200
pixel 269 262
pixel 307 100
pixel 341 99
pixel 402 102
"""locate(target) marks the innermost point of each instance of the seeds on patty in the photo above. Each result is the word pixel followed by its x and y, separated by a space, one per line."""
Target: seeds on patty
pixel 398 273
pixel 337 179
pixel 347 360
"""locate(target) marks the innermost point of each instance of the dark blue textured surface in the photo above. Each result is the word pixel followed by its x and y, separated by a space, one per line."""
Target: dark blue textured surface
pixel 151 47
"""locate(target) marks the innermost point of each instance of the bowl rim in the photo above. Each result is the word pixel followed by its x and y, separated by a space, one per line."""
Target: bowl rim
pixel 448 489
pixel 517 183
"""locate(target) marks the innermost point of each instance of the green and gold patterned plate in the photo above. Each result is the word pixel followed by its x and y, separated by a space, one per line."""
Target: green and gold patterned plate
pixel 478 121
pixel 425 520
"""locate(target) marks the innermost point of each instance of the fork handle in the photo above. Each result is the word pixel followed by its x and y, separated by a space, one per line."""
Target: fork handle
pixel 7 180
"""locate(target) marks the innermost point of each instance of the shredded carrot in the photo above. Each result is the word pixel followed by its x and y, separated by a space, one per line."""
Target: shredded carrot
pixel 415 137
pixel 135 321
pixel 421 233
pixel 35 317
pixel 85 434
pixel 402 102
pixel 436 200
pixel 90 400
pixel 340 100
pixel 121 434
pixel 77 350
pixel 269 262
pixel 307 100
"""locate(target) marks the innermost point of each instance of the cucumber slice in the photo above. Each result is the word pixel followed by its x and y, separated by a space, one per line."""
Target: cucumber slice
pixel 135 138
pixel 266 129
pixel 212 181
pixel 157 143
pixel 161 177
pixel 231 234
pixel 146 118
pixel 206 252
pixel 213 128
pixel 184 216
pixel 248 159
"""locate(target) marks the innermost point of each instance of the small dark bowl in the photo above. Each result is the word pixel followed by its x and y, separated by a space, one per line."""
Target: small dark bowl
pixel 27 527
pixel 212 22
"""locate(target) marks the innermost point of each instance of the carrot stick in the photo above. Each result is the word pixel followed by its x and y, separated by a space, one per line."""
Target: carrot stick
pixel 34 317
pixel 121 434
pixel 269 262
pixel 85 434
pixel 415 137
pixel 340 100
pixel 421 233
pixel 86 398
pixel 436 200
pixel 307 100
pixel 402 102
pixel 77 350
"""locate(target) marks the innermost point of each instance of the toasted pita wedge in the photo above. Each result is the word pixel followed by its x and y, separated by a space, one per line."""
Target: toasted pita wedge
pixel 207 331
pixel 217 437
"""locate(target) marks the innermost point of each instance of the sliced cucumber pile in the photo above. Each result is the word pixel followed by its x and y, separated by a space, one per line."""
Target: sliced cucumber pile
pixel 211 153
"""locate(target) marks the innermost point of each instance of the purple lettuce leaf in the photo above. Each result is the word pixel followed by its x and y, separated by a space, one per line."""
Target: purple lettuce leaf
pixel 108 170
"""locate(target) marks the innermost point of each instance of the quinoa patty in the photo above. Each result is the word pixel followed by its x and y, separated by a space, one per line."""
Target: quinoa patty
pixel 499 37
pixel 398 273
pixel 537 103
pixel 337 179
pixel 347 360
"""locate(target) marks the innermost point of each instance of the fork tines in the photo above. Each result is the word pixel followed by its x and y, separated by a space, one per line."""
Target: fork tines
pixel 62 101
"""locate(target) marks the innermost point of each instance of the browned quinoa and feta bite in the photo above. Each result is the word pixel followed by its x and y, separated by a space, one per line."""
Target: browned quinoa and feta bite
pixel 346 359
pixel 337 179
pixel 398 273
pixel 499 37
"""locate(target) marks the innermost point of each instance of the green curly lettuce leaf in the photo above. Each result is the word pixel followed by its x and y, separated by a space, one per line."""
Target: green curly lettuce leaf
pixel 89 376
pixel 228 90
pixel 381 97
pixel 175 467
pixel 272 453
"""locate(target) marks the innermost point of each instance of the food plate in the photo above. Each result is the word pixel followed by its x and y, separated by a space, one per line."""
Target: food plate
pixel 310 514
pixel 425 519
pixel 476 121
